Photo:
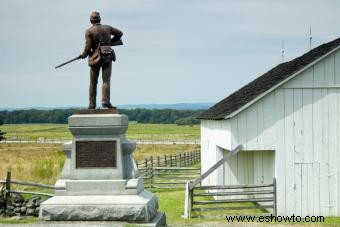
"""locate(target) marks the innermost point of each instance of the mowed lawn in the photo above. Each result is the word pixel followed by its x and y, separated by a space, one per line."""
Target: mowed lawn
pixel 135 131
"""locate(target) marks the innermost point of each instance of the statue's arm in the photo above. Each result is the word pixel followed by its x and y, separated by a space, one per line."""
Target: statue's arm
pixel 87 49
pixel 117 34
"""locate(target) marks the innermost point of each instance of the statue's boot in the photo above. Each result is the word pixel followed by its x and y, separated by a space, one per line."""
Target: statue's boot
pixel 92 100
pixel 92 106
pixel 108 105
pixel 106 94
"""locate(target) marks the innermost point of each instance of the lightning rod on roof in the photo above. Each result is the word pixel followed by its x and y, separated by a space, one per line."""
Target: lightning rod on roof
pixel 310 37
pixel 283 52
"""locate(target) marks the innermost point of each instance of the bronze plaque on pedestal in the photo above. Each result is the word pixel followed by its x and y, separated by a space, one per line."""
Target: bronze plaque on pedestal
pixel 96 154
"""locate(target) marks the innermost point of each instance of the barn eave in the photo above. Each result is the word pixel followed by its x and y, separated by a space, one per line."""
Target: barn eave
pixel 218 113
pixel 280 84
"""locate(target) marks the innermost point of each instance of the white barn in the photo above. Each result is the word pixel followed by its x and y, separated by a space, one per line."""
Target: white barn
pixel 288 121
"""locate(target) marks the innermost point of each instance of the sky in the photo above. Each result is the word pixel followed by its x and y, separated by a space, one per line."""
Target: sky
pixel 174 50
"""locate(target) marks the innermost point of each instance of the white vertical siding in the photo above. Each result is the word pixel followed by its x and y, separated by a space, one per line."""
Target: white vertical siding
pixel 307 148
pixel 220 132
pixel 317 147
pixel 289 150
pixel 280 157
pixel 333 165
pixel 324 193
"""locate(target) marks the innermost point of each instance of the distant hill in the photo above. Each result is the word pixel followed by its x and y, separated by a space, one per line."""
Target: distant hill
pixel 176 106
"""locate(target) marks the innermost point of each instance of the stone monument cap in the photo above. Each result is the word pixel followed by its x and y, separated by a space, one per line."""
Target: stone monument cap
pixel 88 120
pixel 87 124
pixel 97 111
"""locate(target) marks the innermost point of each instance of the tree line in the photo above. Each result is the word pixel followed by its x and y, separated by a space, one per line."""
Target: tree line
pixel 2 137
pixel 162 116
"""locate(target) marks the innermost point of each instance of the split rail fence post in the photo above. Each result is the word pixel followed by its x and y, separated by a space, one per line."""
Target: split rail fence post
pixel 180 159
pixel 176 155
pixel 151 171
pixel 171 160
pixel 158 161
pixel 8 188
pixel 188 200
pixel 146 171
pixel 190 157
pixel 275 197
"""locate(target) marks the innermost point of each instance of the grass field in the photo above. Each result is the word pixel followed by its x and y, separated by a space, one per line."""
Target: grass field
pixel 43 162
pixel 146 150
pixel 32 162
pixel 135 131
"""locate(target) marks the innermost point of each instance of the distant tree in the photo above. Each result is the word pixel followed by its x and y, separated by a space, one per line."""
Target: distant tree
pixel 2 137
pixel 187 121
pixel 154 116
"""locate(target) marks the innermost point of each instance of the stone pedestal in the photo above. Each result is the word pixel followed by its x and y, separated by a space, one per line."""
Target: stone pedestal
pixel 100 180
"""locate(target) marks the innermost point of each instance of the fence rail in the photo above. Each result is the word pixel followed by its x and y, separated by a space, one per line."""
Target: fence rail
pixel 6 190
pixel 246 197
pixel 176 160
pixel 169 177
pixel 170 171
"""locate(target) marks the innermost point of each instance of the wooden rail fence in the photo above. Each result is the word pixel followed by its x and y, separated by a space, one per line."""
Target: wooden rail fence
pixel 6 188
pixel 246 197
pixel 169 177
pixel 252 196
pixel 170 171
pixel 173 160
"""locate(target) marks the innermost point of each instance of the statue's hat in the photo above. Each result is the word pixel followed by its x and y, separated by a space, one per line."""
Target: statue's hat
pixel 95 15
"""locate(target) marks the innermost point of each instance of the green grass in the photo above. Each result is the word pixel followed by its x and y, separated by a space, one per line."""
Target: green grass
pixel 36 131
pixel 163 131
pixel 172 203
pixel 23 220
pixel 144 151
pixel 135 131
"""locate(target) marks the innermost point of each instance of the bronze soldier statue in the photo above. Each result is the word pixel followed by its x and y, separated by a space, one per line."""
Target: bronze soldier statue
pixel 98 47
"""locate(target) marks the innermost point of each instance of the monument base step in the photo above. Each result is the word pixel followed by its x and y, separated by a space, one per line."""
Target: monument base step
pixel 130 208
pixel 98 187
pixel 158 220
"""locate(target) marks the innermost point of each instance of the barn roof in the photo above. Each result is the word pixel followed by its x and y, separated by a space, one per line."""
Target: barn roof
pixel 265 82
